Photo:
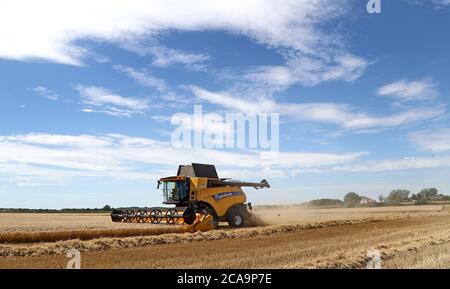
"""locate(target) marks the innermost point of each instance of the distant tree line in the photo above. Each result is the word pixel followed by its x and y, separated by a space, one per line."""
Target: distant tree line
pixel 351 200
pixel 397 197
pixel 394 198
pixel 324 203
pixel 105 209
pixel 423 197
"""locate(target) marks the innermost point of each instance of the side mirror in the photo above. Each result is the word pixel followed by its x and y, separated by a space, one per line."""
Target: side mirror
pixel 159 183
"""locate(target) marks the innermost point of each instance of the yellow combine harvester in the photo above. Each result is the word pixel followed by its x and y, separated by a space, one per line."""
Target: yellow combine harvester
pixel 201 200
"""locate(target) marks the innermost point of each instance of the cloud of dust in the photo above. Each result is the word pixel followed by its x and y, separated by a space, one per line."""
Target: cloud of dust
pixel 278 215
pixel 281 215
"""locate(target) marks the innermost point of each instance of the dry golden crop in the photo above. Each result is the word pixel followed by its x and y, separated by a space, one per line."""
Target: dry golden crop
pixel 54 236
pixel 327 238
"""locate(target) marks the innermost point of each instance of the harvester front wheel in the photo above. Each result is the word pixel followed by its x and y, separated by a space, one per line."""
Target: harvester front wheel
pixel 189 216
pixel 236 217
pixel 208 210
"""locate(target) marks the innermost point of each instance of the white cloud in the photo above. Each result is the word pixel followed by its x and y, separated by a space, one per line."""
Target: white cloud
pixel 339 114
pixel 433 140
pixel 47 158
pixel 436 3
pixel 165 57
pixel 98 96
pixel 124 157
pixel 144 78
pixel 45 92
pixel 102 100
pixel 404 90
pixel 229 101
pixel 112 111
pixel 395 165
pixel 441 2
pixel 309 71
pixel 59 140
pixel 49 29
pixel 361 121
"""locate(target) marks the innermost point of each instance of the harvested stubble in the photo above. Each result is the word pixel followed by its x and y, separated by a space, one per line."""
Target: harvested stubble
pixel 419 239
pixel 54 236
pixel 61 247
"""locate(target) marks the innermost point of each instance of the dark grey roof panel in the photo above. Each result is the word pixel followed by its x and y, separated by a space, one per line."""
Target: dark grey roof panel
pixel 198 170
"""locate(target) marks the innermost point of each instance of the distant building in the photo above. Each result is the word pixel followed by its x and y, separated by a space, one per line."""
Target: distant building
pixel 367 201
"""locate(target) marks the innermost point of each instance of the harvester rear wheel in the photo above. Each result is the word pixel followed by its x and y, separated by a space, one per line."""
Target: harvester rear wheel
pixel 236 217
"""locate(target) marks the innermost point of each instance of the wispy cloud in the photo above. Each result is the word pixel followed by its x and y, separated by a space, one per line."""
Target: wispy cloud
pixel 47 157
pixel 99 99
pixel 433 140
pixel 165 57
pixel 112 111
pixel 167 97
pixel 404 90
pixel 441 2
pixel 56 140
pixel 342 115
pixel 293 24
pixel 144 78
pixel 45 92
pixel 309 71
pixel 124 157
pixel 394 165
pixel 436 3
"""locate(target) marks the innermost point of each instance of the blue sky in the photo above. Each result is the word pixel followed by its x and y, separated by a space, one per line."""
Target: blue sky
pixel 88 91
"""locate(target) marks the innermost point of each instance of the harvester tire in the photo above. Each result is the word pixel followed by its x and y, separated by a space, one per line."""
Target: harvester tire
pixel 236 217
pixel 189 216
pixel 208 210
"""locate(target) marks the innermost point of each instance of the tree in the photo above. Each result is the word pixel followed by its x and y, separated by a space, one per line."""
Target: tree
pixel 352 200
pixel 106 208
pixel 325 203
pixel 398 196
pixel 427 194
pixel 381 198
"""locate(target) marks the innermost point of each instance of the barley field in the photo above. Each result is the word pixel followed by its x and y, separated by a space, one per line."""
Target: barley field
pixel 287 237
pixel 38 222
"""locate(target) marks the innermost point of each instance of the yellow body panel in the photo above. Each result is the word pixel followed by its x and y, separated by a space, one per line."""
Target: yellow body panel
pixel 220 198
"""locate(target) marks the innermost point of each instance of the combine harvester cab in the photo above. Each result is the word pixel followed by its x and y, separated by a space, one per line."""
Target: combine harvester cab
pixel 201 201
